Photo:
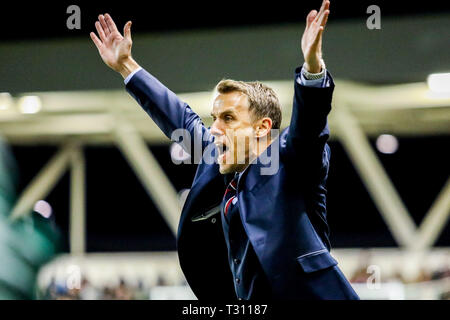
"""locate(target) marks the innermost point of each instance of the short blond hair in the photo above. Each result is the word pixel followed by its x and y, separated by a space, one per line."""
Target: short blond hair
pixel 263 101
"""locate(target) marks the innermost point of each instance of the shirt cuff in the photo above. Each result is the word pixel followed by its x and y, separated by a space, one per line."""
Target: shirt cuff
pixel 317 83
pixel 128 78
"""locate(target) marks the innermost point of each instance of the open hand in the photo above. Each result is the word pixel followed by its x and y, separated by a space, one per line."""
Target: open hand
pixel 114 48
pixel 312 37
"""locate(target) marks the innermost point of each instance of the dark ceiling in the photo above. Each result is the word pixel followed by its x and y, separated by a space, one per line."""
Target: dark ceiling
pixel 47 19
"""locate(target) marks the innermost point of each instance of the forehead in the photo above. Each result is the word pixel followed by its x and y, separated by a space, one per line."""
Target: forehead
pixel 231 101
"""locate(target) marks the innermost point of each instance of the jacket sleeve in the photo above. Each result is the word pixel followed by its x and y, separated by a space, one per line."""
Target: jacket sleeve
pixel 305 146
pixel 169 112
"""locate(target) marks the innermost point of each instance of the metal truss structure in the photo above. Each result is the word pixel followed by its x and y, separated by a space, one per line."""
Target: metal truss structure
pixel 74 119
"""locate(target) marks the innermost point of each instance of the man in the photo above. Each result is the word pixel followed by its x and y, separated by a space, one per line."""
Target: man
pixel 272 238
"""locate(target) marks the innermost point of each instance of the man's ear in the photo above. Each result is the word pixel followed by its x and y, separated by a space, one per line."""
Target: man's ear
pixel 262 127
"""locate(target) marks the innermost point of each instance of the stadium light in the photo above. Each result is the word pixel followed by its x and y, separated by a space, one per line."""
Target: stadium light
pixel 387 144
pixel 5 100
pixel 43 208
pixel 439 82
pixel 30 104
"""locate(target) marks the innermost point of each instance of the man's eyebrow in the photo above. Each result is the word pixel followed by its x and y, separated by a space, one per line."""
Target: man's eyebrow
pixel 228 111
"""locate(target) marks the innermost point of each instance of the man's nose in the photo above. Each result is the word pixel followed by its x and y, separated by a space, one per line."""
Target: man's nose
pixel 216 130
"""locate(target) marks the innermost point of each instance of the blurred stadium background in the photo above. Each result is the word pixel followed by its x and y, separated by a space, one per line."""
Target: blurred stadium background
pixel 89 192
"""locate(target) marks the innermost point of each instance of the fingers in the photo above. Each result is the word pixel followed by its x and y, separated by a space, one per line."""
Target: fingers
pixel 310 17
pixel 100 31
pixel 322 17
pixel 325 18
pixel 324 8
pixel 105 27
pixel 127 30
pixel 96 40
pixel 111 25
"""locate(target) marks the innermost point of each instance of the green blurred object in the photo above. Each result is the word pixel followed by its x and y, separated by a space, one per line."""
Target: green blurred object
pixel 25 244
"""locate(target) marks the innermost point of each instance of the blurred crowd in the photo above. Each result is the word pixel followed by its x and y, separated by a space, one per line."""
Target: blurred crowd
pixel 86 291
pixel 60 290
pixel 361 275
pixel 428 283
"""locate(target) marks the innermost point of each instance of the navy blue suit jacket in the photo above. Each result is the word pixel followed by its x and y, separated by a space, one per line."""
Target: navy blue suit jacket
pixel 284 214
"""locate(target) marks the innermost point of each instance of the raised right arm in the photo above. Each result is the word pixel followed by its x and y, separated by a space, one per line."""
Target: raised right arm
pixel 169 112
pixel 161 104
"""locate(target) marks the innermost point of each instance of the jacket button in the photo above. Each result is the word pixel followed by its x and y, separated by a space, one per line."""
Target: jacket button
pixel 237 261
pixel 213 220
pixel 238 280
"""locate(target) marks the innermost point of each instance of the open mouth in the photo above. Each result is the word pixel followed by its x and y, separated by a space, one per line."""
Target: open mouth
pixel 223 152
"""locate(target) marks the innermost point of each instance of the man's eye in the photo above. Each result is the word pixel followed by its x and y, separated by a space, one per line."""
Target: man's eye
pixel 228 118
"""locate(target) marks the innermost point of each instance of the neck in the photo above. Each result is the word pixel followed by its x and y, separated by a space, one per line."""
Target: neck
pixel 259 147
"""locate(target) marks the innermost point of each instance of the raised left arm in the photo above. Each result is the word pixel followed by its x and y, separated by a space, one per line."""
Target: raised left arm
pixel 308 130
